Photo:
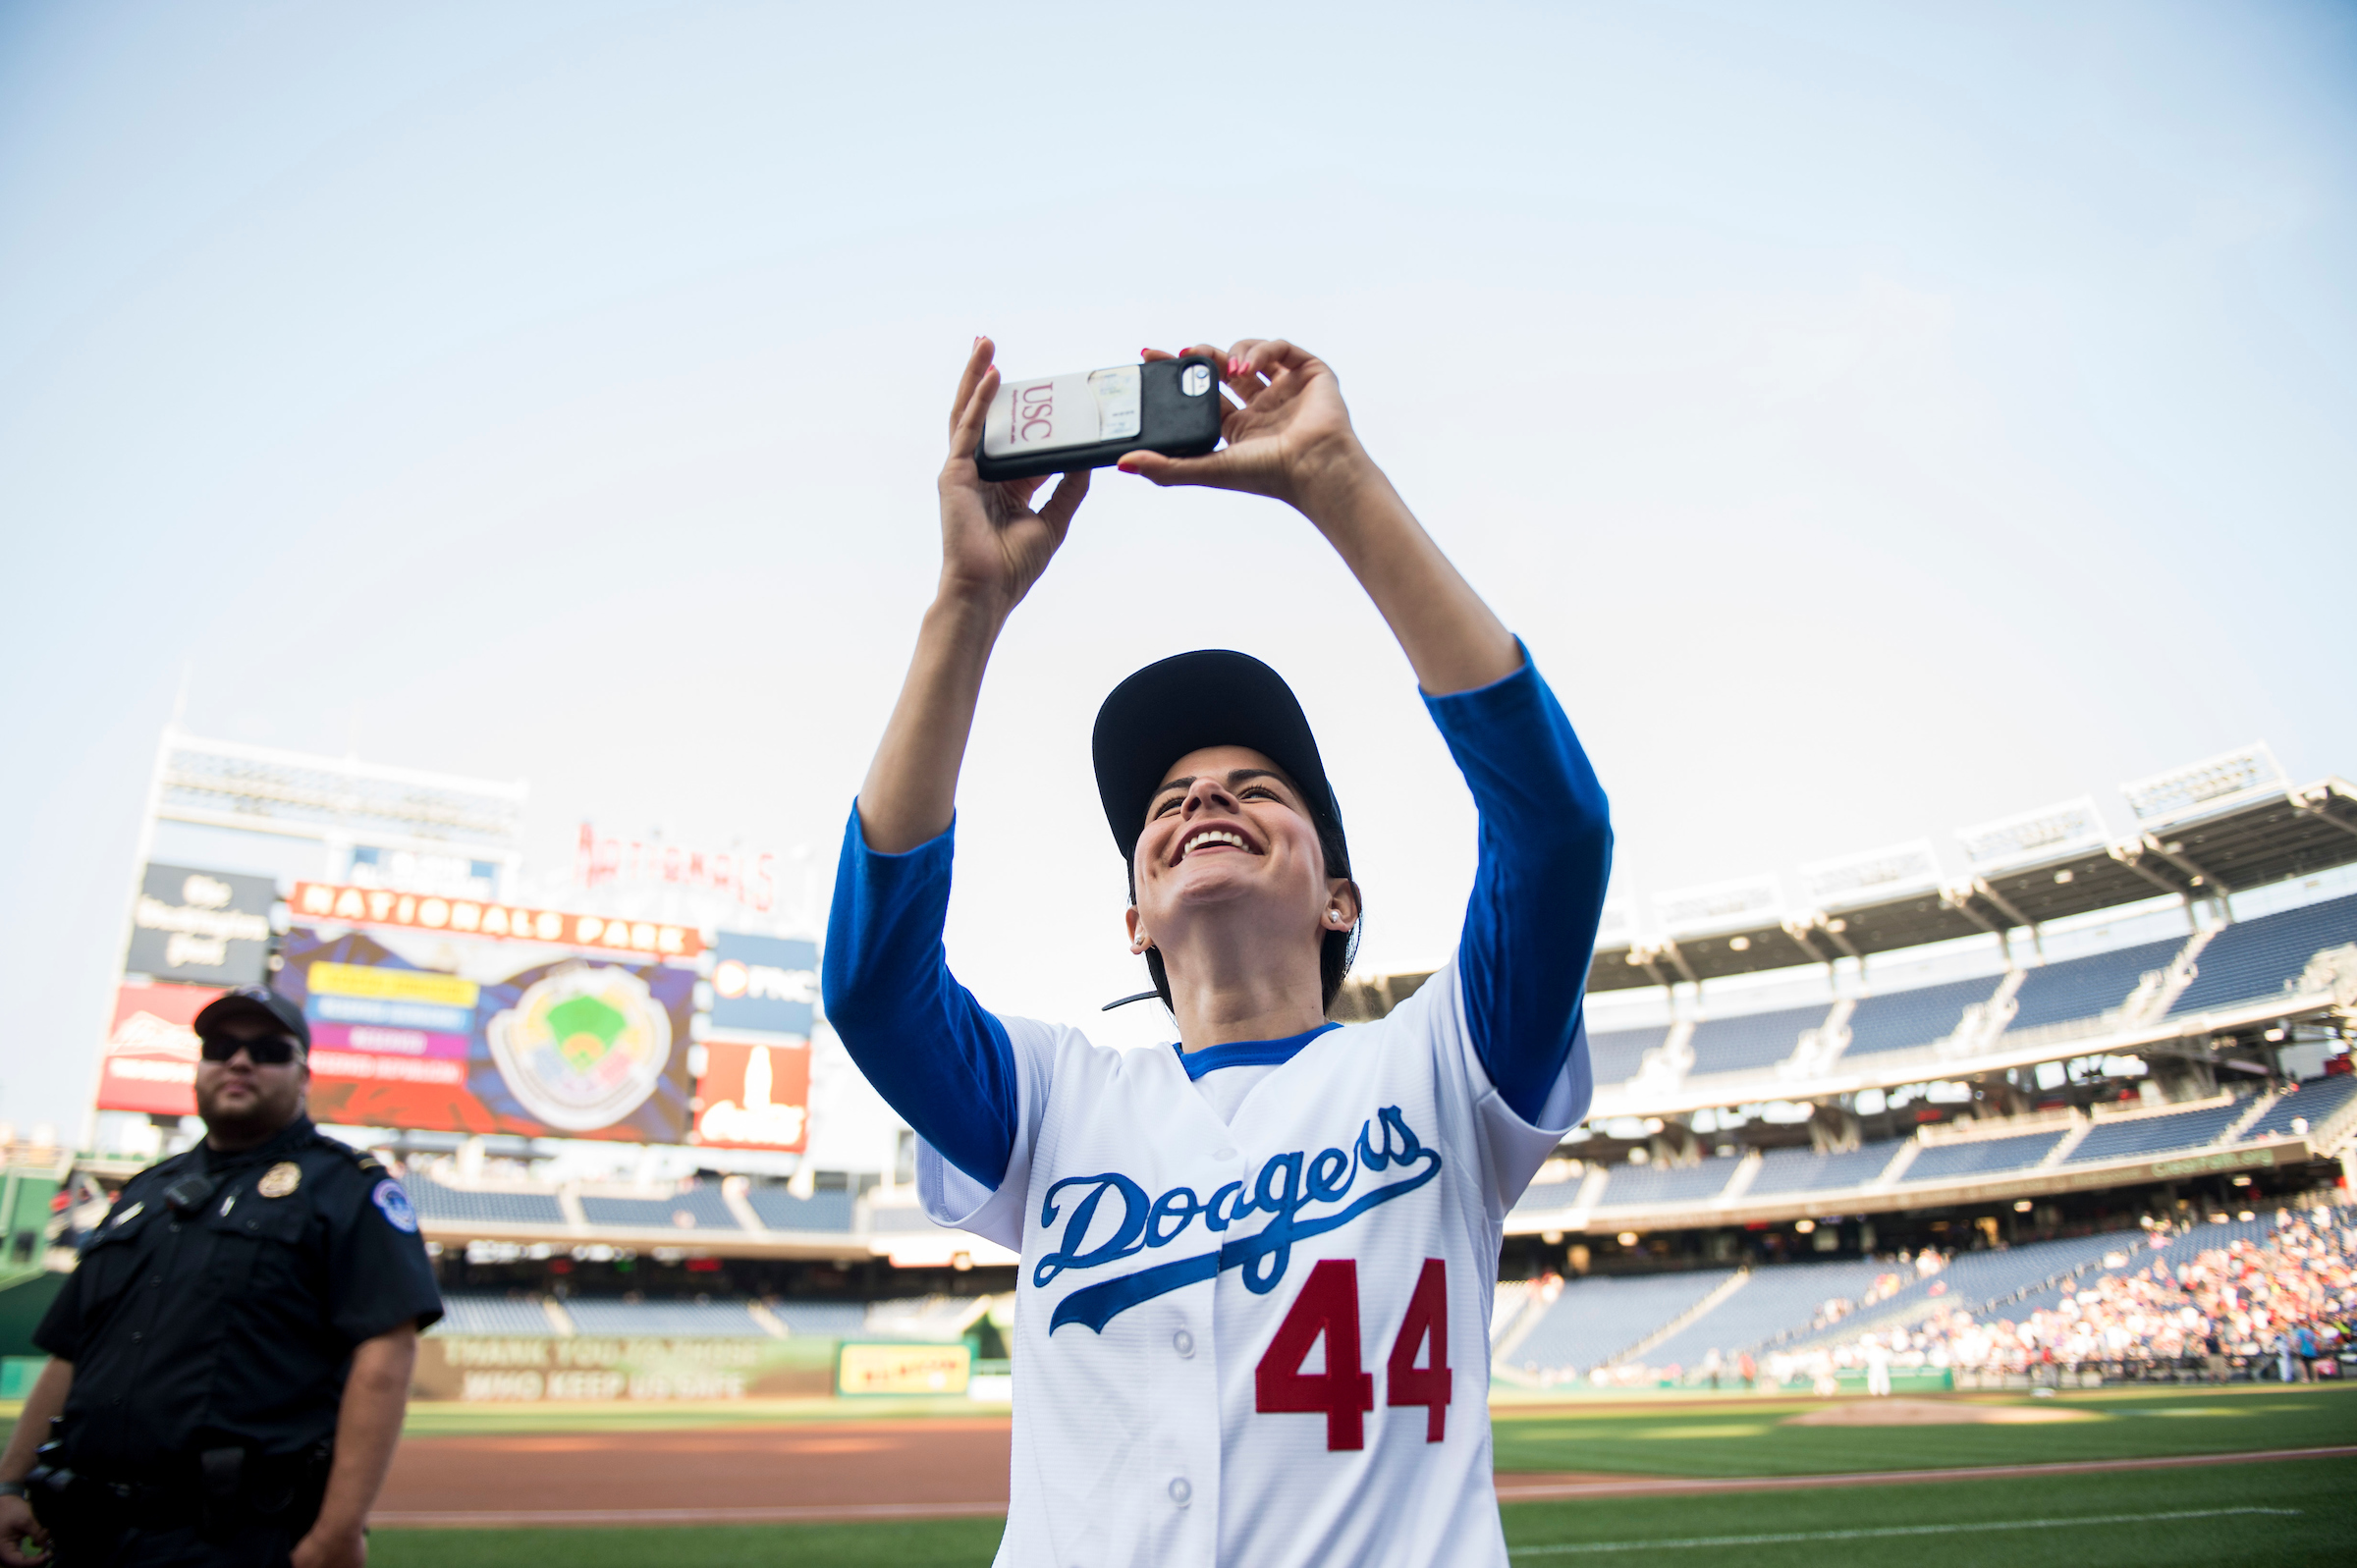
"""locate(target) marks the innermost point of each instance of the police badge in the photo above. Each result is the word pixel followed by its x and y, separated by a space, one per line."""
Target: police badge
pixel 280 1179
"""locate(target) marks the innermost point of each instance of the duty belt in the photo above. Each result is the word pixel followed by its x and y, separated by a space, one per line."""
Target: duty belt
pixel 217 1490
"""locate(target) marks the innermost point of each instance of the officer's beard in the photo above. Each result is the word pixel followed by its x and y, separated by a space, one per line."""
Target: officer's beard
pixel 239 1121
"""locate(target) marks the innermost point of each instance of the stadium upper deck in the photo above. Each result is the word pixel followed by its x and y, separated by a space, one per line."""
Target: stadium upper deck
pixel 2130 1065
pixel 2203 831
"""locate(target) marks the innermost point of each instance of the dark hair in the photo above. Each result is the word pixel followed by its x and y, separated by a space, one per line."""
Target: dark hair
pixel 1335 947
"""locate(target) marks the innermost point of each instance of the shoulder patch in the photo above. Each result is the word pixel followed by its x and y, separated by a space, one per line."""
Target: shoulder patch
pixel 366 1158
pixel 395 1204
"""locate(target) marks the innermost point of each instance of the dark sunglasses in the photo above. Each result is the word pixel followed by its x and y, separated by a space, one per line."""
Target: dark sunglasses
pixel 271 1050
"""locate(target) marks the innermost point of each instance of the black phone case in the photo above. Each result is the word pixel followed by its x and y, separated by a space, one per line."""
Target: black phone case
pixel 1169 422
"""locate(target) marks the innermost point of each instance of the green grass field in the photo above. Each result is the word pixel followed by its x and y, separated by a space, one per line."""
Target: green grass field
pixel 2298 1511
pixel 2301 1511
pixel 1744 1439
pixel 2294 1511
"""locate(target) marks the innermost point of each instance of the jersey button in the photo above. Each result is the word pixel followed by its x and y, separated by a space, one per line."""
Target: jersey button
pixel 1180 1492
pixel 1183 1342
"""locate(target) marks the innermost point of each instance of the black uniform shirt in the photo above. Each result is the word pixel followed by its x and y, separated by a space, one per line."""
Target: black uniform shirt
pixel 233 1326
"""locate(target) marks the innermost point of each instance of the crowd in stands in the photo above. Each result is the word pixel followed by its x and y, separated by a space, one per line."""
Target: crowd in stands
pixel 2279 1306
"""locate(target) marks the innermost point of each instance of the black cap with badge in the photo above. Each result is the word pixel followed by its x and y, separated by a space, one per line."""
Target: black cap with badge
pixel 1212 697
pixel 275 1012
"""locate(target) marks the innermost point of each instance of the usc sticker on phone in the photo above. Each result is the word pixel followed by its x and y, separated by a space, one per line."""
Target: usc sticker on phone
pixel 1070 411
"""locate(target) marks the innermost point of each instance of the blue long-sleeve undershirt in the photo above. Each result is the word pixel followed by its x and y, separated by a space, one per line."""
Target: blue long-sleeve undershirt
pixel 941 1060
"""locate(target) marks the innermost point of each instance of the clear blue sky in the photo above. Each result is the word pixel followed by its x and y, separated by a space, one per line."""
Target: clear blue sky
pixel 1875 418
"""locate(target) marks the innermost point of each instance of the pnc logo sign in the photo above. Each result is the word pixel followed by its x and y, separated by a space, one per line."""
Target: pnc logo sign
pixel 768 984
pixel 763 982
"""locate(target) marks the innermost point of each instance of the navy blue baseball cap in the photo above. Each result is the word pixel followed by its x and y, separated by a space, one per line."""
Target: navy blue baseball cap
pixel 258 1003
pixel 1211 698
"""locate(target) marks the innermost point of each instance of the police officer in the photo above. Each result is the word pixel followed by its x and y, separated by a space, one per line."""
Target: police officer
pixel 231 1358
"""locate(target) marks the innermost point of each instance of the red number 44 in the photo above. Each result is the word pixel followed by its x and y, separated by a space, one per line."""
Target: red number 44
pixel 1345 1392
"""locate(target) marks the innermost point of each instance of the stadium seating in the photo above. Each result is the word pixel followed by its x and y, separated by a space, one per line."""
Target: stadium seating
pixel 2087 988
pixel 2212 1235
pixel 513 1317
pixel 1632 1185
pixel 1615 1056
pixel 780 1209
pixel 2312 1102
pixel 899 1222
pixel 1947 1161
pixel 2152 1135
pixel 1754 1041
pixel 926 1318
pixel 2254 960
pixel 821 1320
pixel 1595 1320
pixel 1908 1020
pixel 2131 1247
pixel 932 1318
pixel 1973 1280
pixel 678 1320
pixel 1549 1194
pixel 1807 1171
pixel 1513 1295
pixel 705 1207
pixel 1778 1299
pixel 433 1202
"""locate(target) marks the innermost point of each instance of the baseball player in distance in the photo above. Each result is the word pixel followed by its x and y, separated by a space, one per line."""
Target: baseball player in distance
pixel 1252 1323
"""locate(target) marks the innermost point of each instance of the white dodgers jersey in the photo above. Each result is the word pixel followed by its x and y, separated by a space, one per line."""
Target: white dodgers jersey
pixel 1261 1342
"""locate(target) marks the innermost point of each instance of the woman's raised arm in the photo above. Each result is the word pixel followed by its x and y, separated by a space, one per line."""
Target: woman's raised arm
pixel 1544 827
pixel 1293 441
pixel 993 549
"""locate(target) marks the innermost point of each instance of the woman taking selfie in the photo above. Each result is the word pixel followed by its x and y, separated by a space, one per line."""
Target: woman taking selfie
pixel 1253 1302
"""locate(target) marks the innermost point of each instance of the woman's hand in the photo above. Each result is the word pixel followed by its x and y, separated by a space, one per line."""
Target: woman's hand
pixel 1292 440
pixel 993 544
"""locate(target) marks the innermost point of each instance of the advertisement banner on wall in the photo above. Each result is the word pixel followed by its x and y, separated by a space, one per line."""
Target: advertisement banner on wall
pixel 754 1095
pixel 766 984
pixel 902 1369
pixel 451 1035
pixel 207 927
pixel 150 1060
pixel 596 1368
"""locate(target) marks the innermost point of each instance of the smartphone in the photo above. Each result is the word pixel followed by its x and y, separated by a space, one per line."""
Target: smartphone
pixel 1086 420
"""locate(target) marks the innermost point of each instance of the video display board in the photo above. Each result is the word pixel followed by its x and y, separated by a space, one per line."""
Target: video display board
pixel 439 1033
pixel 150 1060
pixel 765 984
pixel 450 1013
pixel 754 1095
pixel 205 926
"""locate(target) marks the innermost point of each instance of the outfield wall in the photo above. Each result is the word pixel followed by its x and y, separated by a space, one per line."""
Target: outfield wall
pixel 598 1369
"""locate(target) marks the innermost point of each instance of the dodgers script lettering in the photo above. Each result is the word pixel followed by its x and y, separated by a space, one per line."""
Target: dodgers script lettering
pixel 1298 1191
